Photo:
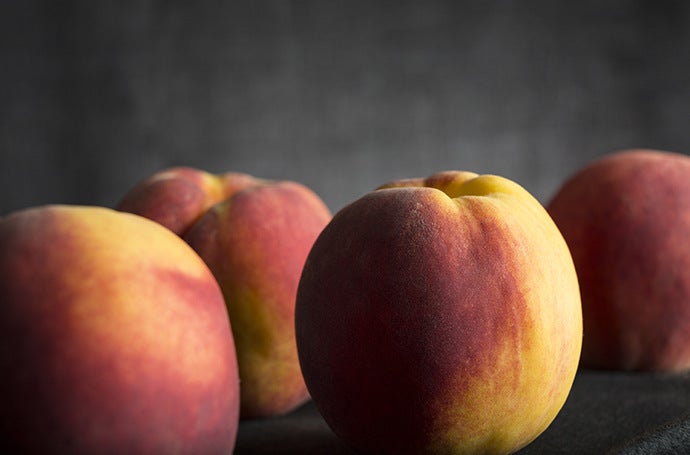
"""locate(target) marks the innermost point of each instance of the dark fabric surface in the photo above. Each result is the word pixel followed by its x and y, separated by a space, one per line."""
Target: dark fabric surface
pixel 606 413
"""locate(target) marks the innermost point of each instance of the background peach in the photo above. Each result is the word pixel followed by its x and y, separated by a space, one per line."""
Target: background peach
pixel 256 243
pixel 626 218
pixel 254 234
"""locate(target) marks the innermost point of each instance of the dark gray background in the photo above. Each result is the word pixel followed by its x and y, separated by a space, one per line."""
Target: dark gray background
pixel 342 96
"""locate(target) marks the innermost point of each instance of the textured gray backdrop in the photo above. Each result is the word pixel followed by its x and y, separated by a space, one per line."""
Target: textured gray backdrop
pixel 342 96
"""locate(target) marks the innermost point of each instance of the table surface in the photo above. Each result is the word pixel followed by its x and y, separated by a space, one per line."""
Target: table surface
pixel 606 413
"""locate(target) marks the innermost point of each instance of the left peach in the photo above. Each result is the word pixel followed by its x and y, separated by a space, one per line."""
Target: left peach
pixel 114 338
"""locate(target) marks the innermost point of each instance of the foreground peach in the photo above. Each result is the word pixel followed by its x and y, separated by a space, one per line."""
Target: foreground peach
pixel 254 234
pixel 440 316
pixel 626 218
pixel 114 338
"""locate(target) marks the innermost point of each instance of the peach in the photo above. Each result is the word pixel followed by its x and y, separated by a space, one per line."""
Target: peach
pixel 178 196
pixel 626 218
pixel 439 315
pixel 254 234
pixel 114 338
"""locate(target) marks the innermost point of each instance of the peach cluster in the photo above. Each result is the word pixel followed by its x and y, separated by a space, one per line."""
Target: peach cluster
pixel 254 235
pixel 446 314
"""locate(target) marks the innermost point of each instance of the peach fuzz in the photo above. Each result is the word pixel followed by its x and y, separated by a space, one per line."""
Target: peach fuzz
pixel 440 315
pixel 115 338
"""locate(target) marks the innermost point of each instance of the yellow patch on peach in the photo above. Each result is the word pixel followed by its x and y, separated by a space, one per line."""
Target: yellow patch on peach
pixel 132 281
pixel 254 328
pixel 530 396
